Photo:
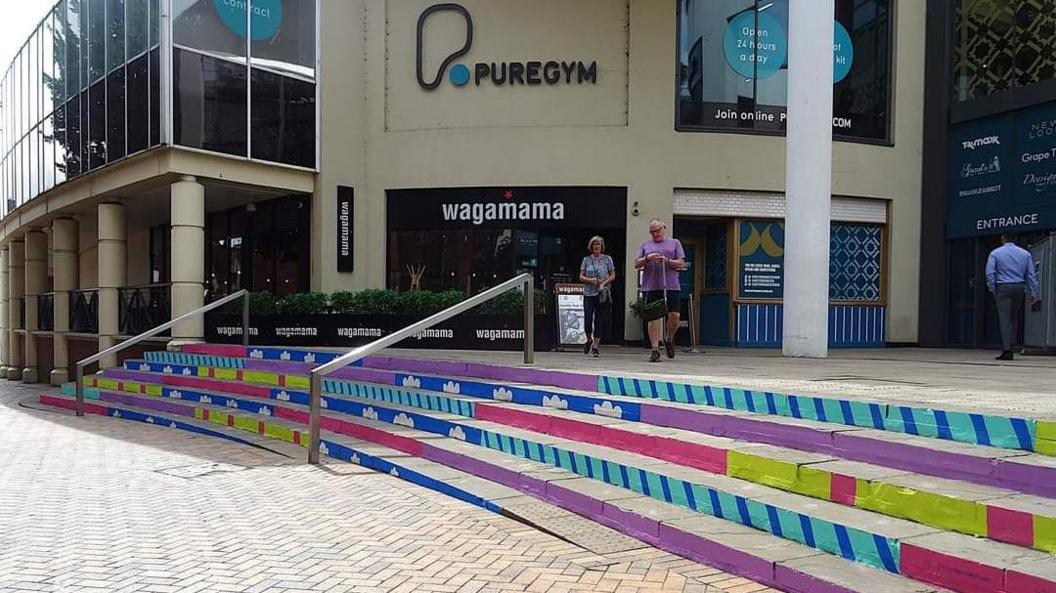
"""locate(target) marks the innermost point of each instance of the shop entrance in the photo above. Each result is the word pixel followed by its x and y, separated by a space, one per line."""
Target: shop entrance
pixel 972 310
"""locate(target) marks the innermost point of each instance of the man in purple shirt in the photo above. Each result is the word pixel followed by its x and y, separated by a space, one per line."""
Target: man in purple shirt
pixel 660 260
pixel 1011 278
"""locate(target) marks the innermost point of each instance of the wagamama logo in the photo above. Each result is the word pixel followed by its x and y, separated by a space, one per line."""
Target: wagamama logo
pixel 973 144
pixel 530 73
pixel 504 211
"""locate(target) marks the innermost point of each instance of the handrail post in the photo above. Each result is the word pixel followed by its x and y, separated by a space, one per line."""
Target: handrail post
pixel 80 389
pixel 245 320
pixel 529 320
pixel 315 405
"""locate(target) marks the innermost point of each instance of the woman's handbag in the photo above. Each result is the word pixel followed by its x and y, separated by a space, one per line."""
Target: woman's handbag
pixel 657 309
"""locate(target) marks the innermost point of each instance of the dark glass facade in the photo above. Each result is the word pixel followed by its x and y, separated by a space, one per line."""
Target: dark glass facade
pixel 78 95
pixel 86 88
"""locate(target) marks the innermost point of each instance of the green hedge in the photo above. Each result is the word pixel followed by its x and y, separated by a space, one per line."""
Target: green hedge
pixel 376 301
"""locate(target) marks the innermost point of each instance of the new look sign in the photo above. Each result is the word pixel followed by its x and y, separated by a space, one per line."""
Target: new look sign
pixel 497 71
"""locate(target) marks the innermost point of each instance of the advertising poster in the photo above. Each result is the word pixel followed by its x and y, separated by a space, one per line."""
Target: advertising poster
pixel 571 326
pixel 762 259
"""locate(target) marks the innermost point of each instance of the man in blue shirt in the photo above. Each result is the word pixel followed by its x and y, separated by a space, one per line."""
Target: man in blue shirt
pixel 1011 277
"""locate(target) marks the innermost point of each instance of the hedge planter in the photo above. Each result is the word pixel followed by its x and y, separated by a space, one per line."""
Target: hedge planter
pixel 465 332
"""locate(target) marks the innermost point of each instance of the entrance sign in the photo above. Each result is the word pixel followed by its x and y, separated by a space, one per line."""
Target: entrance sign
pixel 571 322
pixel 1003 174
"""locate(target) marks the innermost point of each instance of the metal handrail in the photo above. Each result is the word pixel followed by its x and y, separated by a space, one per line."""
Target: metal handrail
pixel 317 374
pixel 81 364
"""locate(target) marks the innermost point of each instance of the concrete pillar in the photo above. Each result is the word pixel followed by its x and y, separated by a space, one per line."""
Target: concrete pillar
pixel 36 284
pixel 112 275
pixel 16 286
pixel 5 319
pixel 809 178
pixel 65 238
pixel 187 240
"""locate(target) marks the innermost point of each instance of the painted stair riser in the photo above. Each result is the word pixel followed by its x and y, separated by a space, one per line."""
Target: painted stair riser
pixel 968 517
pixel 1004 473
pixel 695 546
pixel 851 544
pixel 989 430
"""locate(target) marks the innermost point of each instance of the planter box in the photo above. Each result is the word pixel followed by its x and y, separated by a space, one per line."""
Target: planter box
pixel 465 332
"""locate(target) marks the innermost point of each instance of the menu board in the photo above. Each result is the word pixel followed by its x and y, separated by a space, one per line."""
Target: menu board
pixel 571 323
pixel 761 256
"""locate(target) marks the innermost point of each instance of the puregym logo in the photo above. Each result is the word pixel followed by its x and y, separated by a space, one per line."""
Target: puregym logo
pixel 498 73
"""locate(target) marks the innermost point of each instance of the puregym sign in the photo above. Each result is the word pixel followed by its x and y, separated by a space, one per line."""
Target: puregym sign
pixel 549 72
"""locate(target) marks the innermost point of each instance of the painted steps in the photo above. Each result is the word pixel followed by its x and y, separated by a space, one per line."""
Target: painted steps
pixel 773 561
pixel 1002 468
pixel 983 511
pixel 850 533
pixel 1026 434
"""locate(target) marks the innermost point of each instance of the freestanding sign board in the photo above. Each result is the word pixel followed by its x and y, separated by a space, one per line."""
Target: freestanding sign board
pixel 571 322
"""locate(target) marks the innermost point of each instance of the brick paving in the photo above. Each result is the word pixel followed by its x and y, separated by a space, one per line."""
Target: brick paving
pixel 100 505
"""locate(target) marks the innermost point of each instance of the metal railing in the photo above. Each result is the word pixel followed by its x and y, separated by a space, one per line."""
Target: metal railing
pixel 81 364
pixel 84 311
pixel 46 312
pixel 317 374
pixel 143 307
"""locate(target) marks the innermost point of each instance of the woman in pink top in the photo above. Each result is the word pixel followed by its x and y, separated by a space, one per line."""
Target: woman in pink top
pixel 660 260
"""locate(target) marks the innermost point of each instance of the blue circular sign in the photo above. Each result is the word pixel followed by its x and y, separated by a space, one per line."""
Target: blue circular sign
pixel 842 53
pixel 266 18
pixel 459 75
pixel 755 44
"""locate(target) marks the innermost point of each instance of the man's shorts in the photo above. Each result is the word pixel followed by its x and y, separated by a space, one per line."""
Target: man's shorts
pixel 674 299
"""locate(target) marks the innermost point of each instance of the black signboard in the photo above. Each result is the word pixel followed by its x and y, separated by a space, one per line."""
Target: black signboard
pixel 1003 174
pixel 762 257
pixel 345 218
pixel 571 325
pixel 507 207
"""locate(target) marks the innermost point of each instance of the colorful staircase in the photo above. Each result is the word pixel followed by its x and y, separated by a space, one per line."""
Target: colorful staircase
pixel 803 493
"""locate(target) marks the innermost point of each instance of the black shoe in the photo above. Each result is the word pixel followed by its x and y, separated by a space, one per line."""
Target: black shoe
pixel 1006 355
pixel 586 347
pixel 594 352
pixel 670 347
pixel 655 356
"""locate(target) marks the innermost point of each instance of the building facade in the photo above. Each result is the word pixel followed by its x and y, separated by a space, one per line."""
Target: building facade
pixel 158 153
pixel 989 155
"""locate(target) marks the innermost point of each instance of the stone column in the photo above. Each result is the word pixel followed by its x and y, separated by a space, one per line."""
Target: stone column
pixel 5 319
pixel 809 178
pixel 65 237
pixel 112 275
pixel 187 241
pixel 16 286
pixel 36 283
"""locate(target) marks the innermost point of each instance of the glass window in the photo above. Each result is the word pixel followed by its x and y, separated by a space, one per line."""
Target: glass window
pixel 33 163
pixel 96 39
pixel 33 80
pixel 47 136
pixel 48 72
pixel 85 45
pixel 72 27
pixel 115 33
pixel 115 115
pixel 62 171
pixel 215 27
pixel 1000 46
pixel 155 22
pixel 97 125
pixel 283 119
pixel 155 97
pixel 138 101
pixel 209 107
pixel 284 35
pixel 85 133
pixel 137 24
pixel 733 67
pixel 73 137
pixel 291 245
